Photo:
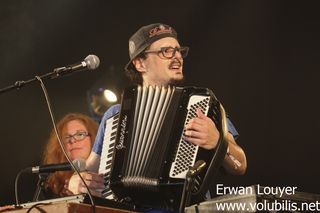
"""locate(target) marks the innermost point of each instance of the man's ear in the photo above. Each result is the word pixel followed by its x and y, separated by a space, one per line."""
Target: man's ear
pixel 139 64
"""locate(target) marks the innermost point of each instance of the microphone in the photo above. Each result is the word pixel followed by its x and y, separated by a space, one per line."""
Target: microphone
pixel 196 169
pixel 91 62
pixel 80 164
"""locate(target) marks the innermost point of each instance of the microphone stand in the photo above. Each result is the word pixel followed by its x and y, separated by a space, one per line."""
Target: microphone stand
pixel 186 193
pixel 57 72
pixel 189 184
pixel 40 185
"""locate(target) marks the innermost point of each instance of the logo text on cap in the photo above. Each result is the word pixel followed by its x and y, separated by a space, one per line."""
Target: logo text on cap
pixel 158 30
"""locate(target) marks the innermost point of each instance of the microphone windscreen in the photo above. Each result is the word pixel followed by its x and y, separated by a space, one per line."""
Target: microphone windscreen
pixel 92 62
pixel 80 164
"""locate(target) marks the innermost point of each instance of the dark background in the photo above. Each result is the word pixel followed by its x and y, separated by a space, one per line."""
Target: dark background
pixel 261 58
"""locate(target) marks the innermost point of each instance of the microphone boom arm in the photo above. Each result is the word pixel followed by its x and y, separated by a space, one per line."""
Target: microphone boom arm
pixel 90 62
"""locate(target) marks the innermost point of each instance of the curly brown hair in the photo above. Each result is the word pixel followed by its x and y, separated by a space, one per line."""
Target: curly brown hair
pixel 53 153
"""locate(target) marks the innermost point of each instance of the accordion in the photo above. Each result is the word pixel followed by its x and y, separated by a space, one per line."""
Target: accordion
pixel 144 156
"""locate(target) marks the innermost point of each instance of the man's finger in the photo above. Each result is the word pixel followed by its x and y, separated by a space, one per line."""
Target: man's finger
pixel 200 114
pixel 195 124
pixel 195 141
pixel 193 134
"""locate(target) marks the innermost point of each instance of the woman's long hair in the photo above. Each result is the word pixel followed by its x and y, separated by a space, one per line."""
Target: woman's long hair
pixel 53 153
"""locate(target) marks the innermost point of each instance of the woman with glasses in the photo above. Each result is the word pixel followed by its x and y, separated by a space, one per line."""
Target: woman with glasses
pixel 78 133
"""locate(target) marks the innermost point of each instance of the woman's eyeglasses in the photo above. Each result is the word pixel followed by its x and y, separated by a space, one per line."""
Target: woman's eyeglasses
pixel 78 136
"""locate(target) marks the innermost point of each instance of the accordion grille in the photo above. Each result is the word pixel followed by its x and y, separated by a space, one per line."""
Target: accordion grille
pixel 187 152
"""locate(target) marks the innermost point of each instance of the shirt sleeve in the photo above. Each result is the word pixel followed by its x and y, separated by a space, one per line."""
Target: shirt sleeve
pixel 232 129
pixel 97 147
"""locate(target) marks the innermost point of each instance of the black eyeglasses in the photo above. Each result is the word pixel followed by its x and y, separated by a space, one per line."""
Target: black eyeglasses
pixel 169 52
pixel 78 136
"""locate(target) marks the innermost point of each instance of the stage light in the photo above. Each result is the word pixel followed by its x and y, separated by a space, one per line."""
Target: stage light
pixel 110 96
pixel 106 91
pixel 100 99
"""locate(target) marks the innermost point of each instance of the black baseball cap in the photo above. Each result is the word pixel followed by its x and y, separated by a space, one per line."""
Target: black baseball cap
pixel 145 36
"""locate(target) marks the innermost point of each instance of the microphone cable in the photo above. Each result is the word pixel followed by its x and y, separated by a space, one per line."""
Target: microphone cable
pixel 16 185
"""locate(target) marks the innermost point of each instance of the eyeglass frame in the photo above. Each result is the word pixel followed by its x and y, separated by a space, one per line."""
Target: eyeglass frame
pixel 67 139
pixel 175 49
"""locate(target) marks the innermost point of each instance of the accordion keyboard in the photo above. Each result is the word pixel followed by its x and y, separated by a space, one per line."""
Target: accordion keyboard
pixel 107 153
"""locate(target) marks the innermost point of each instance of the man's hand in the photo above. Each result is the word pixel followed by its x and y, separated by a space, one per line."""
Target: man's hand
pixel 202 131
pixel 94 181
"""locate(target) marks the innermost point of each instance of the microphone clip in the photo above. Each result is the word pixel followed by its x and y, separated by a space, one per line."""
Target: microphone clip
pixel 41 186
pixel 61 71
